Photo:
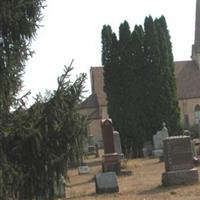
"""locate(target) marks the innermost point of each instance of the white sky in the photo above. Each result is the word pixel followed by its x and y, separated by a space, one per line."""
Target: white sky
pixel 72 30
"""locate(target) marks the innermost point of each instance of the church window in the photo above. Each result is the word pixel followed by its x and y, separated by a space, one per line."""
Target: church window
pixel 186 120
pixel 197 113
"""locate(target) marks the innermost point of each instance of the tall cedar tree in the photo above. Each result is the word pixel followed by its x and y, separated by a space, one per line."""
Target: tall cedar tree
pixel 168 95
pixel 152 73
pixel 145 69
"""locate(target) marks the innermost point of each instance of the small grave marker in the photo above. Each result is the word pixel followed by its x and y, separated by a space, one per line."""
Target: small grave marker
pixel 106 183
pixel 83 170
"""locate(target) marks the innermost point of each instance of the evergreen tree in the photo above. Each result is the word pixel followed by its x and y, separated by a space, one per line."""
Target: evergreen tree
pixel 140 82
pixel 18 24
pixel 152 73
pixel 137 91
pixel 168 95
pixel 43 139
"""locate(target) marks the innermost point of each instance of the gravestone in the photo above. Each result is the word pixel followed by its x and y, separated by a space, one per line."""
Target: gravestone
pixel 147 149
pixel 158 141
pixel 59 187
pixel 178 161
pixel 108 138
pixel 117 143
pixel 106 183
pixel 111 160
pixel 83 170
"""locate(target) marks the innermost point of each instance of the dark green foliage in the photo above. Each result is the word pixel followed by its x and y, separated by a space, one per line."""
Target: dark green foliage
pixel 18 24
pixel 139 82
pixel 43 139
pixel 36 144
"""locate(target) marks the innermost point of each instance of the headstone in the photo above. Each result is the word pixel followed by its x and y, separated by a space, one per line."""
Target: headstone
pixel 196 142
pixel 111 159
pixel 83 170
pixel 117 143
pixel 147 149
pixel 178 161
pixel 106 183
pixel 59 187
pixel 108 139
pixel 158 141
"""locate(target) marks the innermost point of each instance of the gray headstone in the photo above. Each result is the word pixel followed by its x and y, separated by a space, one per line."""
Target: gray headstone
pixel 147 149
pixel 83 170
pixel 178 161
pixel 159 137
pixel 106 183
pixel 178 153
pixel 117 143
pixel 158 141
pixel 59 187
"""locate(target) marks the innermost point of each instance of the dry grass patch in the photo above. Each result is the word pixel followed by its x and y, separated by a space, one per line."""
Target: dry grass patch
pixel 143 184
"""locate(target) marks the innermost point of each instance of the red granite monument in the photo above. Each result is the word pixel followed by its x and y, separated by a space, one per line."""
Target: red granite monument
pixel 111 159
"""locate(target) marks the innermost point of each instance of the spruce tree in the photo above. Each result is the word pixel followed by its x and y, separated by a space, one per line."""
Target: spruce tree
pixel 19 21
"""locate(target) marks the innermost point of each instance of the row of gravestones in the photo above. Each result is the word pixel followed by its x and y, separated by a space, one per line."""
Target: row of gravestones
pixel 106 181
pixel 156 149
pixel 178 157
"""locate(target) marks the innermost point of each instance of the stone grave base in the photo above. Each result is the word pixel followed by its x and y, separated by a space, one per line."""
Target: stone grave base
pixel 106 183
pixel 180 177
pixel 158 153
pixel 121 156
pixel 113 166
pixel 111 162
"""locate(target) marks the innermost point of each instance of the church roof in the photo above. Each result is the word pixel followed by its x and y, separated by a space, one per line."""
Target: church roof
pixel 94 115
pixel 90 102
pixel 197 27
pixel 187 79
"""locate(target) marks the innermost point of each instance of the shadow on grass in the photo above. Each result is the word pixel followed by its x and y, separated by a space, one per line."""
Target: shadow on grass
pixel 82 183
pixel 92 194
pixel 163 189
pixel 155 190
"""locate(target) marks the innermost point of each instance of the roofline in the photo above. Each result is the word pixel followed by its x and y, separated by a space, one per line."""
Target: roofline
pixel 189 98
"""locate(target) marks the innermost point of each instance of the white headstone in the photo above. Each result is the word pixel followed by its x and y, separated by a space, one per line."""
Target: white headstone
pixel 117 143
pixel 83 170
pixel 159 137
pixel 158 141
pixel 106 182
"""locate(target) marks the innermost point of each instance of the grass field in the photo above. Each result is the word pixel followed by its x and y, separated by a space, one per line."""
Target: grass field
pixel 144 183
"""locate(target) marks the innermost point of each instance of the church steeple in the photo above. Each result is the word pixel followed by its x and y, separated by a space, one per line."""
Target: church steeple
pixel 196 46
pixel 197 27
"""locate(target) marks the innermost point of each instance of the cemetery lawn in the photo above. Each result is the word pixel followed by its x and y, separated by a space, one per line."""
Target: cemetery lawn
pixel 144 183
